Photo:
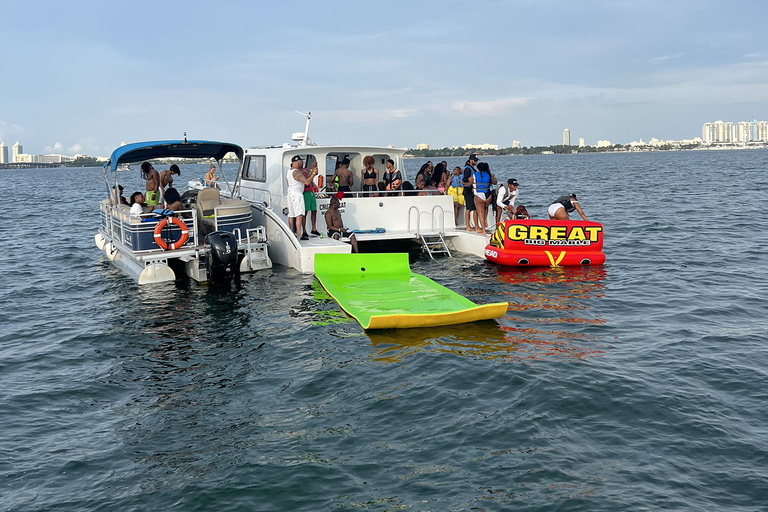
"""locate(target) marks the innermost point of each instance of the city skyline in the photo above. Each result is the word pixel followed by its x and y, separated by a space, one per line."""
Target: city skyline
pixel 717 132
pixel 90 75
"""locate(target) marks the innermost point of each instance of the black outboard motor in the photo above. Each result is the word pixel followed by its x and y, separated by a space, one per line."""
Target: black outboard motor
pixel 221 256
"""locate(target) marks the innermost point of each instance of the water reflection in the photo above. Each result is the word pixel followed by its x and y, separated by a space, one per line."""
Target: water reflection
pixel 478 339
pixel 560 296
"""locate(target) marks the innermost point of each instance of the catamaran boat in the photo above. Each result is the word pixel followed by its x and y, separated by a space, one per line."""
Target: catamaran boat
pixel 211 239
pixel 385 218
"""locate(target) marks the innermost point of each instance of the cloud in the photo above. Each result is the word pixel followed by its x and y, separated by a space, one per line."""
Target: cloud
pixel 491 108
pixel 10 131
pixel 665 58
pixel 55 149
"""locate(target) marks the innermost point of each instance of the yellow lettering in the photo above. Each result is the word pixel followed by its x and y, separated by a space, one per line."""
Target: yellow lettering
pixel 593 231
pixel 517 232
pixel 577 233
pixel 538 232
pixel 557 233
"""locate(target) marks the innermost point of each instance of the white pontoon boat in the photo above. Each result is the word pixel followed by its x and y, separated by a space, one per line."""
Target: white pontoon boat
pixel 211 239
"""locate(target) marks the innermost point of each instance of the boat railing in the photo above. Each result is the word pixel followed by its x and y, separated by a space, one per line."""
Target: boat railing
pixel 442 218
pixel 441 225
pixel 117 222
pixel 418 219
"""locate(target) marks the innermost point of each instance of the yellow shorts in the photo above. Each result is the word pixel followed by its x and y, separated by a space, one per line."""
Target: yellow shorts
pixel 458 194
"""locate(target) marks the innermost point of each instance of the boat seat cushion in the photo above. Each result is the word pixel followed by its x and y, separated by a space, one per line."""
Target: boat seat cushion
pixel 207 200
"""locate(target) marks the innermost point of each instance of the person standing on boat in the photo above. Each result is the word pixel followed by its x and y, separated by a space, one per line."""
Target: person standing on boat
pixel 370 177
pixel 392 178
pixel 166 177
pixel 346 179
pixel 154 193
pixel 469 195
pixel 336 229
pixel 564 205
pixel 296 182
pixel 482 187
pixel 310 198
pixel 456 191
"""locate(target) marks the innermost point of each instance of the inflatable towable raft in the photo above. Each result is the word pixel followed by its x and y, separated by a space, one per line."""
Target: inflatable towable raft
pixel 539 242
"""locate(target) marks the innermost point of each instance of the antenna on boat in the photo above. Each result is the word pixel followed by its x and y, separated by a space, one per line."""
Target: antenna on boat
pixel 185 137
pixel 303 139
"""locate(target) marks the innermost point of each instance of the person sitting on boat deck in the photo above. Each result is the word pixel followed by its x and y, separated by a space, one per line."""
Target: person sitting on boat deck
pixel 469 195
pixel 426 171
pixel 439 178
pixel 137 204
pixel 166 177
pixel 370 177
pixel 310 199
pixel 173 200
pixel 408 189
pixel 336 229
pixel 296 182
pixel 154 193
pixel 421 185
pixel 506 198
pixel 564 205
pixel 123 200
pixel 392 178
pixel 346 179
pixel 210 178
pixel 456 190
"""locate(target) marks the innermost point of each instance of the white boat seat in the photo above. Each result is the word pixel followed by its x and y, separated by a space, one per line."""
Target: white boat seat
pixel 207 200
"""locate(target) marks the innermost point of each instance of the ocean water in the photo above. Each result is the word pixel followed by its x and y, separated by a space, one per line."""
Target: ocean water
pixel 638 385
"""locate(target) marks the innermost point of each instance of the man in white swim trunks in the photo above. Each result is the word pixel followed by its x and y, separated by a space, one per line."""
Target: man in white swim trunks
pixel 296 182
pixel 564 205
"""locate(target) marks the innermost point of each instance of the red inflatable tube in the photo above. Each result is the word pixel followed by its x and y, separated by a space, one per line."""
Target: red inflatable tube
pixel 547 243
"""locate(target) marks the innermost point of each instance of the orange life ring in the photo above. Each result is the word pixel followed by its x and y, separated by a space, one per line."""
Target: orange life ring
pixel 173 245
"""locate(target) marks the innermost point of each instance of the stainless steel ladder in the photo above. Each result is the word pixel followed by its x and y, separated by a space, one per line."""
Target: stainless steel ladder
pixel 433 242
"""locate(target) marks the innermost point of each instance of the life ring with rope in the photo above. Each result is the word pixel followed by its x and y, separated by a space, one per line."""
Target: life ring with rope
pixel 172 245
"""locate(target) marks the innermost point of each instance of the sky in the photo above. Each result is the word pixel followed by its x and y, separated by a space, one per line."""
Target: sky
pixel 84 76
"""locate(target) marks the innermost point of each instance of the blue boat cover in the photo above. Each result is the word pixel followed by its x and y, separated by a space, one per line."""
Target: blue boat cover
pixel 141 151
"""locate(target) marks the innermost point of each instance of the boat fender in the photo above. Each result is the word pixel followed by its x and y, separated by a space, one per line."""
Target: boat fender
pixel 172 245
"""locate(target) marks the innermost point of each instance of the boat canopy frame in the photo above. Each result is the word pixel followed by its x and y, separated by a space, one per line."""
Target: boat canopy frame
pixel 143 151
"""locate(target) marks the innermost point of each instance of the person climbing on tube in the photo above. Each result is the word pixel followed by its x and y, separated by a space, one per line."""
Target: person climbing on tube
pixel 564 205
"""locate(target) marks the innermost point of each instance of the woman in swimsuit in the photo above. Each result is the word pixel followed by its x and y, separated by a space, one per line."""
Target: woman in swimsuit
pixel 370 176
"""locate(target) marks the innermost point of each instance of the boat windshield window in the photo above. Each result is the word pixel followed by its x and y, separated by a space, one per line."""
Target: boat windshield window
pixel 255 168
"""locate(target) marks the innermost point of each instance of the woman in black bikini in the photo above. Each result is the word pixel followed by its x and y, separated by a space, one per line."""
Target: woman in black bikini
pixel 370 176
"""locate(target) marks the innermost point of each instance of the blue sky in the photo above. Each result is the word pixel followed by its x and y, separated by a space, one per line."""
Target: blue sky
pixel 82 76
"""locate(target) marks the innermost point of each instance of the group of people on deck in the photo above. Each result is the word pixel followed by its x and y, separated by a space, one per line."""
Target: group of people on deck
pixel 373 182
pixel 474 188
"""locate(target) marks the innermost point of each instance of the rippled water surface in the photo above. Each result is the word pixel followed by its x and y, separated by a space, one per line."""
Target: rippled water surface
pixel 639 385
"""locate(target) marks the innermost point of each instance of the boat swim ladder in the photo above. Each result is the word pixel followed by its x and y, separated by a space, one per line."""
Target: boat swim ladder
pixel 432 242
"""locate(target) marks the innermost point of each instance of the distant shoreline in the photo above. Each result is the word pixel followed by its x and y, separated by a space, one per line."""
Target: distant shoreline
pixel 570 150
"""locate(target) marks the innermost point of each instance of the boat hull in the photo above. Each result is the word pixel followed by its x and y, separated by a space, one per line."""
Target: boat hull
pixel 535 242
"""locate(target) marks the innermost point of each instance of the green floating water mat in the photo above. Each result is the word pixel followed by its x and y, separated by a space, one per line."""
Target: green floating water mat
pixel 381 292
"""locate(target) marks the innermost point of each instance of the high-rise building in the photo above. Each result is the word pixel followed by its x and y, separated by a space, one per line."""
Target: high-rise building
pixel 3 153
pixel 718 132
pixel 581 142
pixel 515 144
pixel 566 137
pixel 17 150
